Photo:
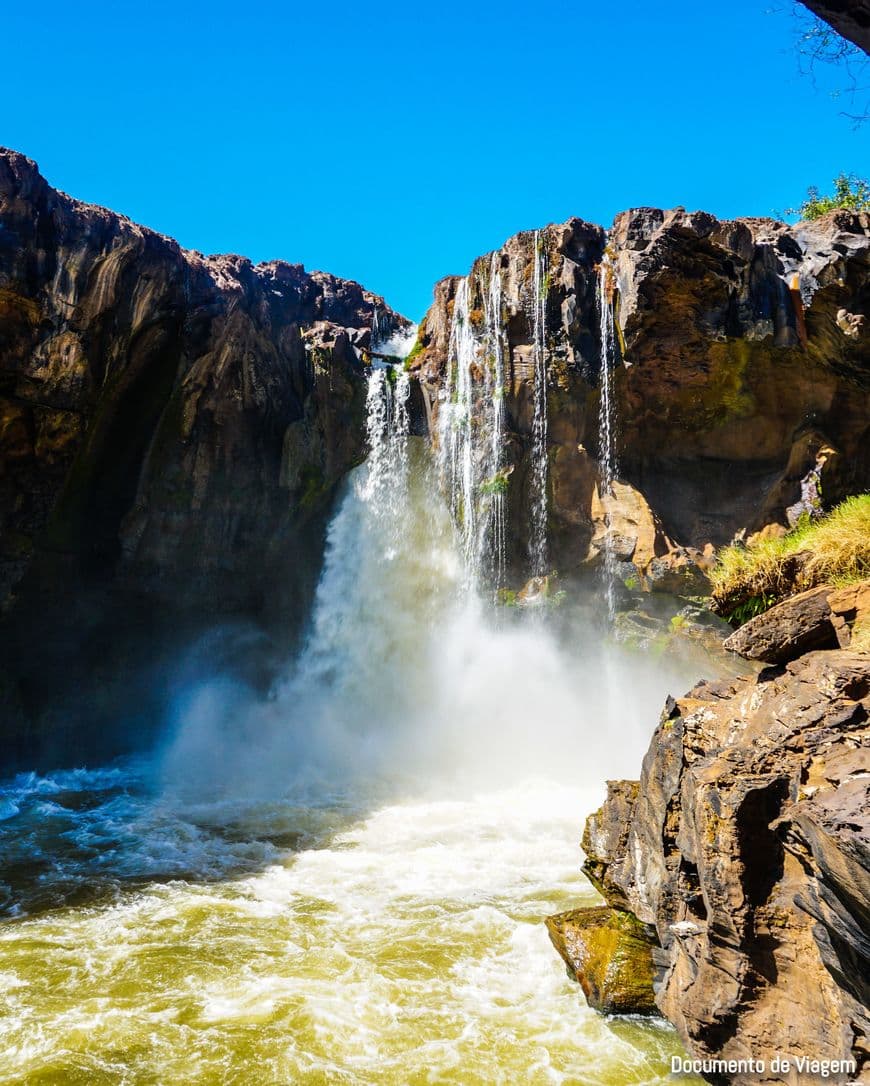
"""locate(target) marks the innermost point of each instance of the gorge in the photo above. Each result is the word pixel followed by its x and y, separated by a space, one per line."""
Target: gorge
pixel 372 612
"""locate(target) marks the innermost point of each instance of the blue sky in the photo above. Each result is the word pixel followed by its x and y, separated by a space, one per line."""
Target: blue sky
pixel 393 142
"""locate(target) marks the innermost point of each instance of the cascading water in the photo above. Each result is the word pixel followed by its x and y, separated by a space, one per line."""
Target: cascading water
pixel 607 461
pixel 539 453
pixel 387 425
pixel 472 433
pixel 472 422
pixel 344 881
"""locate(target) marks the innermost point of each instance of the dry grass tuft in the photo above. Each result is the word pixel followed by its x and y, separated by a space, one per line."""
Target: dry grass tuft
pixel 832 550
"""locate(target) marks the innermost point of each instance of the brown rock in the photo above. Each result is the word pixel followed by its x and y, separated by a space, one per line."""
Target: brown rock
pixel 850 615
pixel 610 954
pixel 748 848
pixel 791 628
pixel 722 365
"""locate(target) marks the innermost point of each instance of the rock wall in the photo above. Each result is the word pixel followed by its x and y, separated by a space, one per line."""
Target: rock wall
pixel 745 850
pixel 742 390
pixel 172 427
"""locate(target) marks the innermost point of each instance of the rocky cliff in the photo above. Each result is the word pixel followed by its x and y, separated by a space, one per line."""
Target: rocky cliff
pixel 171 427
pixel 741 391
pixel 745 851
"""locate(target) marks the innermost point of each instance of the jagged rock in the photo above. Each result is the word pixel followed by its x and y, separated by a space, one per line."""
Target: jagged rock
pixel 610 954
pixel 783 633
pixel 850 615
pixel 170 424
pixel 605 840
pixel 679 573
pixel 741 399
pixel 747 846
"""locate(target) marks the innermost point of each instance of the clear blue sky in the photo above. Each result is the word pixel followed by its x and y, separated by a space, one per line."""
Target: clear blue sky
pixel 393 142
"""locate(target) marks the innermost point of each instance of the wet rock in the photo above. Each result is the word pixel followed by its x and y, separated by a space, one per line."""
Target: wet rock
pixel 741 391
pixel 610 954
pixel 746 844
pixel 678 573
pixel 791 628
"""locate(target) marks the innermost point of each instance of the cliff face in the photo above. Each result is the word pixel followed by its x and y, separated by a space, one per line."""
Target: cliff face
pixel 170 424
pixel 745 849
pixel 741 387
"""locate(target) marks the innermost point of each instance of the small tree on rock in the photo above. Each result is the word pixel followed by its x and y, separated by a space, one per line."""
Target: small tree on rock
pixel 850 192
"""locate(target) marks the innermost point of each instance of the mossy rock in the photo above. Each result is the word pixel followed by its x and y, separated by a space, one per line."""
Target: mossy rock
pixel 609 952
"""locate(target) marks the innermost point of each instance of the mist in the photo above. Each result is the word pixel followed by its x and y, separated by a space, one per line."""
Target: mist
pixel 410 683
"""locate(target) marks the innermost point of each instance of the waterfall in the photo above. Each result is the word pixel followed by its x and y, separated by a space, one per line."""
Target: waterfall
pixel 539 461
pixel 387 423
pixel 472 422
pixel 607 463
pixel 472 433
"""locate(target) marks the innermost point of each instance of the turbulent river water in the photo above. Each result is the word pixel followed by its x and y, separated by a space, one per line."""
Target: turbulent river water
pixel 345 881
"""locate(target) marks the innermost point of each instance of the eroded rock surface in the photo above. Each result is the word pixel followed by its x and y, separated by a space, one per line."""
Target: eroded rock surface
pixel 170 424
pixel 746 845
pixel 742 389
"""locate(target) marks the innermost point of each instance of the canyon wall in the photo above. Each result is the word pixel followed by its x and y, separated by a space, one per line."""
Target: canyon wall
pixel 172 427
pixel 741 391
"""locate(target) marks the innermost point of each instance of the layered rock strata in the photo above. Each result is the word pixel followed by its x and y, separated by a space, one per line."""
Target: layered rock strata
pixel 741 392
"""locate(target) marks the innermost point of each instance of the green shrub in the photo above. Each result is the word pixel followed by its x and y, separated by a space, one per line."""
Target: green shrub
pixel 850 192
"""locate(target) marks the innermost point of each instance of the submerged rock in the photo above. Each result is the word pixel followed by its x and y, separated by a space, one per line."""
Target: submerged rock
pixel 610 954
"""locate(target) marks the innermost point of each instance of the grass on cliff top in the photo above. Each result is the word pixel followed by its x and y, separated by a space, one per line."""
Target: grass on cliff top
pixel 835 549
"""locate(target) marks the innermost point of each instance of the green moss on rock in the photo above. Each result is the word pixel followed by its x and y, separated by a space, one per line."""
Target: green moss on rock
pixel 609 952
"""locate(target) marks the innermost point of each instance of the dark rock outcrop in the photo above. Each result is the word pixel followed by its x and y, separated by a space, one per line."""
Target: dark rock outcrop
pixel 746 845
pixel 172 427
pixel 795 626
pixel 850 18
pixel 742 392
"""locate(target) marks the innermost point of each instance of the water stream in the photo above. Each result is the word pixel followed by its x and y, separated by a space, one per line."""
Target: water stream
pixel 607 462
pixel 344 881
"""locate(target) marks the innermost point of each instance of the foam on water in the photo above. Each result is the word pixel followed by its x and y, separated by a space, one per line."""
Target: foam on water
pixel 345 881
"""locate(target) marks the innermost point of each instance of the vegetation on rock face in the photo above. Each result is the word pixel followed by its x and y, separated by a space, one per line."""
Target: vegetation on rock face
pixel 834 549
pixel 850 193
pixel 609 952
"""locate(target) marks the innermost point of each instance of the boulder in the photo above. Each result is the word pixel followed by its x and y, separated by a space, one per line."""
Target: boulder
pixel 791 628
pixel 610 954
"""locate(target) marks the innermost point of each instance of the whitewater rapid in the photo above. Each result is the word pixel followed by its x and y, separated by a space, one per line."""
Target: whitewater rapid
pixel 344 881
